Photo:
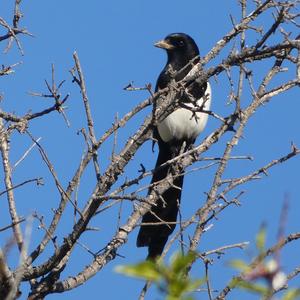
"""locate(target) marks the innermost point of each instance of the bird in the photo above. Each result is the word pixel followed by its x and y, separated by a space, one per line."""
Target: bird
pixel 179 129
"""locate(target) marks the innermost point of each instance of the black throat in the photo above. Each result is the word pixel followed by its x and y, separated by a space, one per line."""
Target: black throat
pixel 176 62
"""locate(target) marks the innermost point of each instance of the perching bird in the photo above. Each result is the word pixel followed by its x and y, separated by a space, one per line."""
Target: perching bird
pixel 180 126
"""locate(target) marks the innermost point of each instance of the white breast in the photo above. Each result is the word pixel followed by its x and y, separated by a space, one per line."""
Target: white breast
pixel 183 124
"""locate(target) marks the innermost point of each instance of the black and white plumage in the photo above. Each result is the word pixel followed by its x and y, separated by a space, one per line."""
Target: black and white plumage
pixel 180 126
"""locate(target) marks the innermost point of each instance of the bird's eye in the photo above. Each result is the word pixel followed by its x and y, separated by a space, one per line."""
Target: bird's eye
pixel 181 43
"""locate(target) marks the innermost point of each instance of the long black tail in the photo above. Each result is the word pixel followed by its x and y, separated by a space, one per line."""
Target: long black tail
pixel 166 209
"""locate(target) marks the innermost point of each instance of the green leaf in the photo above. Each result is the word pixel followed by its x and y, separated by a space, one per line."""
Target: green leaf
pixel 240 265
pixel 292 294
pixel 180 262
pixel 194 284
pixel 252 287
pixel 177 288
pixel 261 239
pixel 170 297
pixel 147 270
pixel 172 279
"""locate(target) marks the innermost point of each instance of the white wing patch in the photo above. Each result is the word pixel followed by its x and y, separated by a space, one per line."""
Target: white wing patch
pixel 183 123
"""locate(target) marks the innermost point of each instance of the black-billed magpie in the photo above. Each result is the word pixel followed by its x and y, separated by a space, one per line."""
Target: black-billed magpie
pixel 180 126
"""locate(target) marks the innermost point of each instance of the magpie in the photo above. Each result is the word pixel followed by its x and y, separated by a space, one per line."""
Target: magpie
pixel 179 129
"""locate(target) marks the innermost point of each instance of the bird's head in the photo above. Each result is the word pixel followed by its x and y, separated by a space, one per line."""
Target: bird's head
pixel 179 46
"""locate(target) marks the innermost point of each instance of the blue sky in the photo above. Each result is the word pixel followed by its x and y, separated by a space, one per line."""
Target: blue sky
pixel 114 40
